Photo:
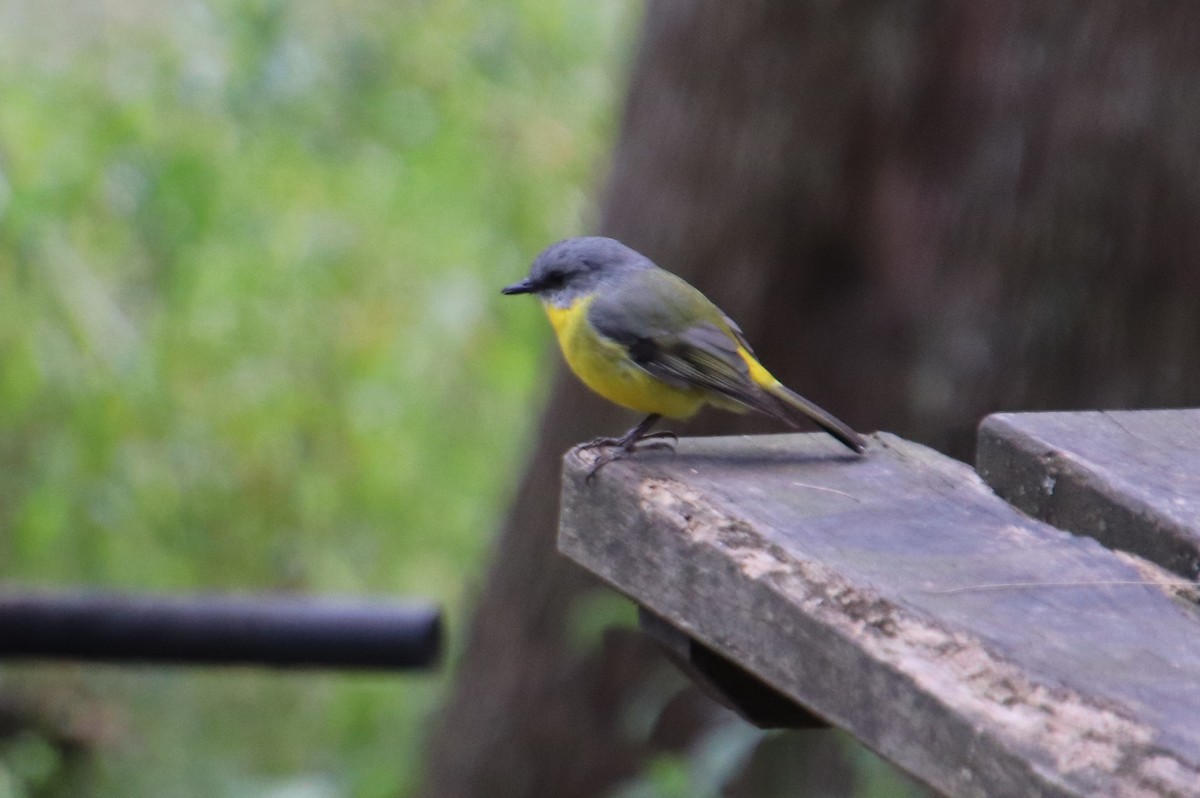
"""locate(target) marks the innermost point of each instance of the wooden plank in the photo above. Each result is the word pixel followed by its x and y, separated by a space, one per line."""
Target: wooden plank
pixel 1130 479
pixel 865 589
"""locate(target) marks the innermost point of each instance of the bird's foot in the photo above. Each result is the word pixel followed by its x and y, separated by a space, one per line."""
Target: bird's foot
pixel 658 440
pixel 602 443
pixel 603 460
pixel 626 445
pixel 655 440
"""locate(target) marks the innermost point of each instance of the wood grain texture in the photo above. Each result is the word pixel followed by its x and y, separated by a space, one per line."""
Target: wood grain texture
pixel 1130 479
pixel 868 590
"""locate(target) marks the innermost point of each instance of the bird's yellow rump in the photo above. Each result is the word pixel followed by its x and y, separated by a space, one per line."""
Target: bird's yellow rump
pixel 645 339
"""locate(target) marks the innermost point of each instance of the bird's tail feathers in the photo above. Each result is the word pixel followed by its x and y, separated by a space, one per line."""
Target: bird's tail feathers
pixel 792 408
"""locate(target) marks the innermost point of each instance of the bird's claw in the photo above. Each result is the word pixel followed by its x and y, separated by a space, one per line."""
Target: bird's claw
pixel 599 443
pixel 603 460
pixel 662 442
pixel 621 447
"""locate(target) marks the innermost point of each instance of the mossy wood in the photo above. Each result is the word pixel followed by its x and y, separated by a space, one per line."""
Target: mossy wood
pixel 894 595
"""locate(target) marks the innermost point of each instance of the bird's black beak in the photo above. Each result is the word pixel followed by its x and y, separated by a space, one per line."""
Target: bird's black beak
pixel 523 287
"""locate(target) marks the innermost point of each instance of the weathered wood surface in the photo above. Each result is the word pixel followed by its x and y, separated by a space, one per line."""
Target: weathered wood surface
pixel 1130 478
pixel 867 590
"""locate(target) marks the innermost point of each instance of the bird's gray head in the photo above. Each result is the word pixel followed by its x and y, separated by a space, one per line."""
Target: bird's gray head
pixel 576 267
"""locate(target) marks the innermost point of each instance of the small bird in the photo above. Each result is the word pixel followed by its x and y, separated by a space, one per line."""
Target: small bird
pixel 645 339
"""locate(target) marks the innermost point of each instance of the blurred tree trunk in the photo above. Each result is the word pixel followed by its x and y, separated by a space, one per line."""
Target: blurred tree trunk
pixel 921 213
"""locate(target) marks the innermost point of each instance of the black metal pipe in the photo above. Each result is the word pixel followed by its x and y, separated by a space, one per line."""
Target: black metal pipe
pixel 220 630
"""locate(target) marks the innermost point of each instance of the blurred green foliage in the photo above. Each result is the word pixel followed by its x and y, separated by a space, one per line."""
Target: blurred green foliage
pixel 706 771
pixel 251 338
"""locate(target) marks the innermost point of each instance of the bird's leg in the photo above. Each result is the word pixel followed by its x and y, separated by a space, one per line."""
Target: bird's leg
pixel 626 443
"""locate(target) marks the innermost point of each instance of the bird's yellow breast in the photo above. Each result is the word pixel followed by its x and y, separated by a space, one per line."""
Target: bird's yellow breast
pixel 606 368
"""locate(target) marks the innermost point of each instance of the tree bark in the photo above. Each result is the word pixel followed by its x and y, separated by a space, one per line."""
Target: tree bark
pixel 920 213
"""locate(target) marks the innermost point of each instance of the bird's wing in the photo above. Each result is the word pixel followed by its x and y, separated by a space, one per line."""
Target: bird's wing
pixel 701 353
pixel 737 333
pixel 675 334
pixel 702 356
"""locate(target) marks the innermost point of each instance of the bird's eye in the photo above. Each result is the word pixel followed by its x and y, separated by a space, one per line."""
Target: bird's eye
pixel 553 279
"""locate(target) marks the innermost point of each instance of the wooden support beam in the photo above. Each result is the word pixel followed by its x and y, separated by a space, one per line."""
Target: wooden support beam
pixel 726 682
pixel 1130 478
pixel 896 596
